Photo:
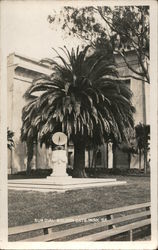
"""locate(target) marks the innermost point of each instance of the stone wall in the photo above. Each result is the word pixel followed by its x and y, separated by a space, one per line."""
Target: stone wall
pixel 21 71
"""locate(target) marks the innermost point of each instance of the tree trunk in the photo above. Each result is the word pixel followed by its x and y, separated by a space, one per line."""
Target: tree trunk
pixel 92 164
pixel 114 155
pixel 145 161
pixel 129 160
pixel 11 157
pixel 89 158
pixel 79 159
pixel 140 155
pixel 29 156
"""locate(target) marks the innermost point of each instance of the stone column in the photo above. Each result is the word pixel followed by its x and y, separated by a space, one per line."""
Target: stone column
pixel 110 155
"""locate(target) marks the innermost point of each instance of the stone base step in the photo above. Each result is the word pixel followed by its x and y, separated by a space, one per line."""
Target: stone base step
pixel 62 185
pixel 61 180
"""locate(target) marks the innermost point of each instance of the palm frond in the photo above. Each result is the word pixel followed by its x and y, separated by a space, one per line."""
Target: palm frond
pixel 83 98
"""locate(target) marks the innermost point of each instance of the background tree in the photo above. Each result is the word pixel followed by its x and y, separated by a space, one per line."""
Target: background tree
pixel 82 98
pixel 120 29
pixel 10 141
pixel 143 136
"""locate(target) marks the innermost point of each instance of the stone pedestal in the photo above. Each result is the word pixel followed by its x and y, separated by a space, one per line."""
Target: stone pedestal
pixel 59 163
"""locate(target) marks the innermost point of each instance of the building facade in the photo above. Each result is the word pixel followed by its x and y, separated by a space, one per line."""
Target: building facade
pixel 21 71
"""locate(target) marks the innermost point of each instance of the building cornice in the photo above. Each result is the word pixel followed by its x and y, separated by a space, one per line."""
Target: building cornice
pixel 26 58
pixel 19 61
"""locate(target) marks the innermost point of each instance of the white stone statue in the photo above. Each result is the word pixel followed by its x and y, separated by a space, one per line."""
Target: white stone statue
pixel 59 162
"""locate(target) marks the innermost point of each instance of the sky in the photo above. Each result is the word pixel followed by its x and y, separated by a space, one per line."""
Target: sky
pixel 26 31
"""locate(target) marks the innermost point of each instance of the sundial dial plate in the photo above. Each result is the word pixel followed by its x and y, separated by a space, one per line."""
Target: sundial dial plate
pixel 59 138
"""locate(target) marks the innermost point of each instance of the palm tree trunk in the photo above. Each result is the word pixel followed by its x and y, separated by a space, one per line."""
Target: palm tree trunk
pixel 89 158
pixel 114 155
pixel 129 160
pixel 11 157
pixel 29 156
pixel 140 155
pixel 79 159
pixel 92 164
pixel 145 160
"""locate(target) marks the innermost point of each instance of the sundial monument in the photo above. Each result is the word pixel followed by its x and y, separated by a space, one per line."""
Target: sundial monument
pixel 59 181
pixel 59 158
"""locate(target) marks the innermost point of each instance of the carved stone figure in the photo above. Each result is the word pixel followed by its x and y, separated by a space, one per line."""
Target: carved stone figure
pixel 59 162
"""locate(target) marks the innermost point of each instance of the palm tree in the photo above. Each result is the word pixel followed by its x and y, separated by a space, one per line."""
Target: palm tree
pixel 10 141
pixel 82 98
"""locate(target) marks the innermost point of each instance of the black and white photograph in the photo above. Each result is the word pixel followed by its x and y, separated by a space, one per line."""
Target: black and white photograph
pixel 78 121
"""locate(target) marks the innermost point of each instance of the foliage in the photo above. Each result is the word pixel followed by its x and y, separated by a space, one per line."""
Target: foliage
pixel 91 172
pixel 127 148
pixel 82 98
pixel 34 173
pixel 10 141
pixel 79 98
pixel 120 29
pixel 143 137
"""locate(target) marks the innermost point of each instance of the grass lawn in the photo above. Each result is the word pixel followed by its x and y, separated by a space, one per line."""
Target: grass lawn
pixel 26 206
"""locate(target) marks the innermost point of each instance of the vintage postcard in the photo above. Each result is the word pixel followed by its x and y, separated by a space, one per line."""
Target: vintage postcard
pixel 78 124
